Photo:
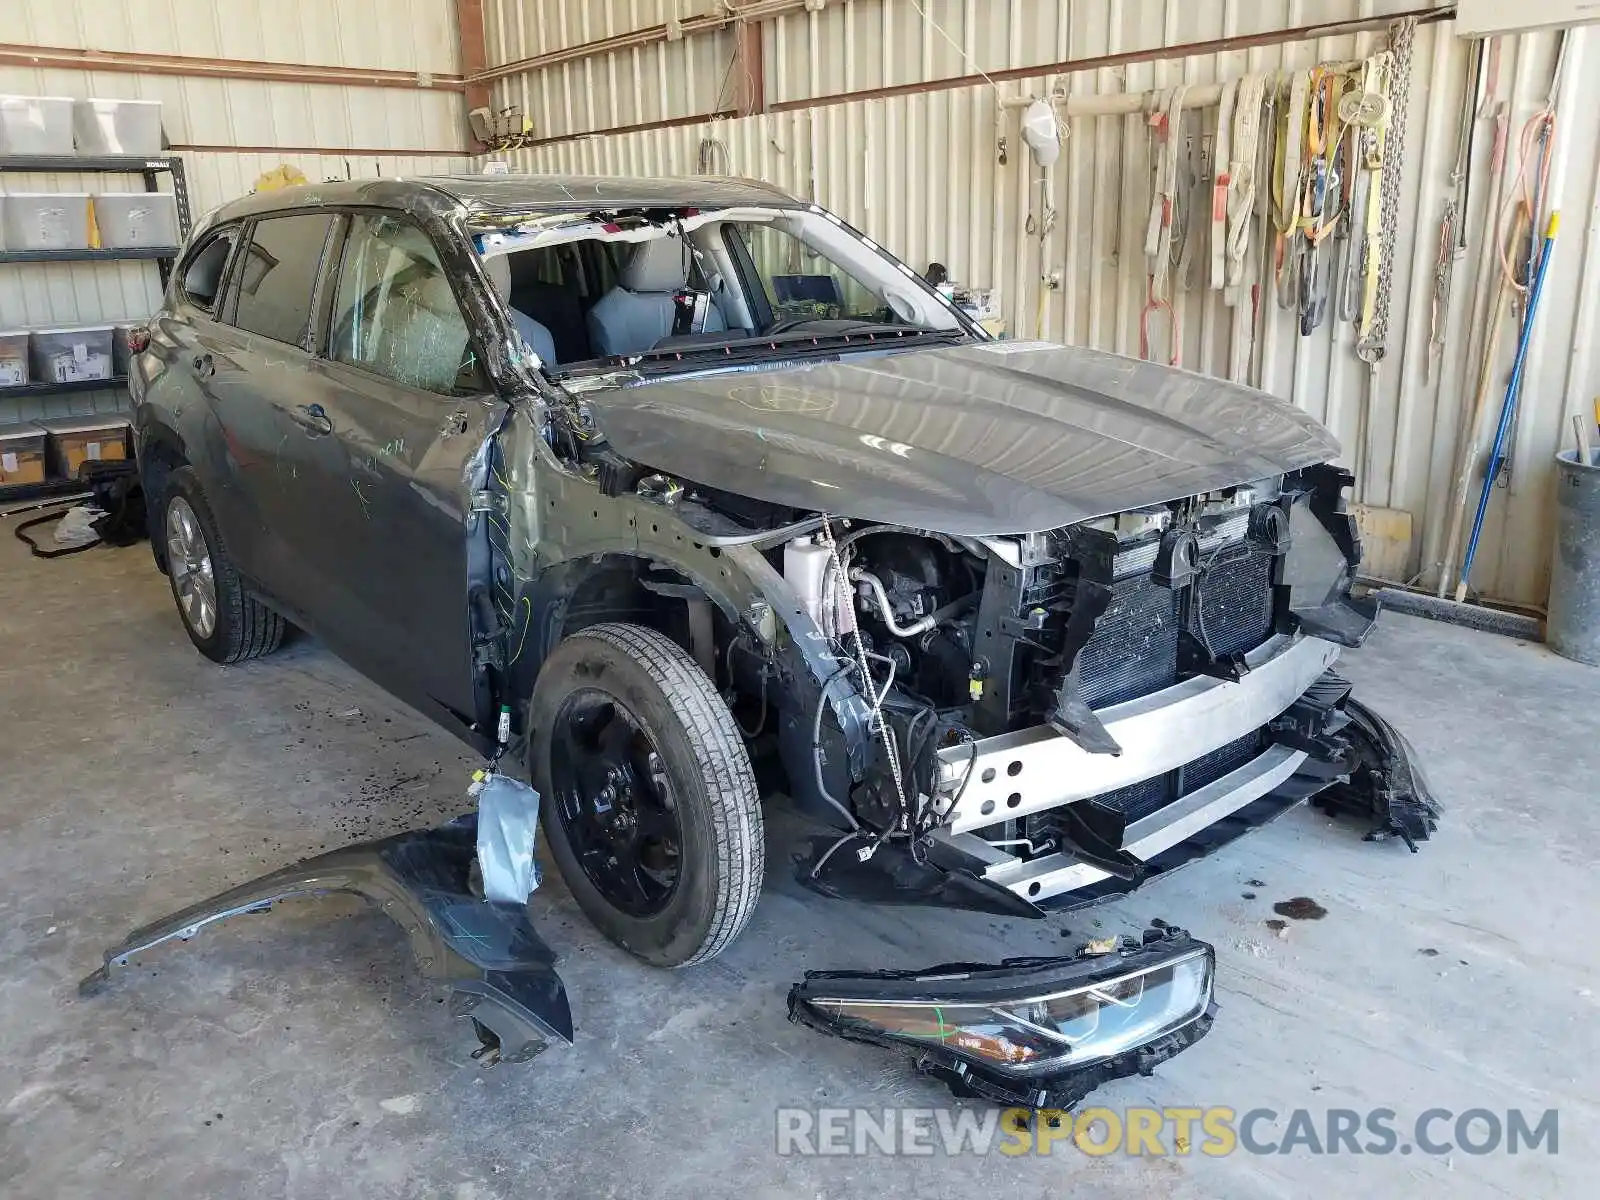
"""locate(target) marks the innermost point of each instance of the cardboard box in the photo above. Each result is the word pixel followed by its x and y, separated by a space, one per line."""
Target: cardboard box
pixel 77 440
pixel 22 455
pixel 13 357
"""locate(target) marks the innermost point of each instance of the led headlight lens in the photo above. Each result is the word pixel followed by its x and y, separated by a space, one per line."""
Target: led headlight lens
pixel 1073 1026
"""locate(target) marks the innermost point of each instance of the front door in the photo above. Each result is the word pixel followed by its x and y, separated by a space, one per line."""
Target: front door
pixel 402 407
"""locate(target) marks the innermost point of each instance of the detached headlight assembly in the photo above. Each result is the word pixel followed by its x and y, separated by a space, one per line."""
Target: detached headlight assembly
pixel 1039 1032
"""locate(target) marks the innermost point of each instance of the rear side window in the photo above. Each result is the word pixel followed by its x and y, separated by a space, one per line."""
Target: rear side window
pixel 202 271
pixel 394 313
pixel 277 274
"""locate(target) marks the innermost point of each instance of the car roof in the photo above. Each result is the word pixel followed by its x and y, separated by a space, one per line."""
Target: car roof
pixel 440 195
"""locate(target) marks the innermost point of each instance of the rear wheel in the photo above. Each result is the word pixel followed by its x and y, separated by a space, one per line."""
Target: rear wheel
pixel 649 805
pixel 224 623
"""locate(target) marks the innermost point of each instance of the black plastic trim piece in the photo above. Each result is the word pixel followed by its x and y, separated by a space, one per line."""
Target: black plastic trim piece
pixel 498 970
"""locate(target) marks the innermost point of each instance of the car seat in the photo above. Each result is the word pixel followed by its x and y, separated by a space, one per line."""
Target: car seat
pixel 498 269
pixel 636 314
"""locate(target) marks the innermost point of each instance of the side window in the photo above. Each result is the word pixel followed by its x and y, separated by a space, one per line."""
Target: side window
pixel 804 284
pixel 202 272
pixel 394 312
pixel 277 274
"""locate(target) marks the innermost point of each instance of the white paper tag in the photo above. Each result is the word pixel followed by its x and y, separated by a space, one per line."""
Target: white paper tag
pixel 80 352
pixel 91 451
pixel 8 462
pixel 11 372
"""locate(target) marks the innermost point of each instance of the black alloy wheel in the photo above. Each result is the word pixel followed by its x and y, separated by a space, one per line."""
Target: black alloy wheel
pixel 615 803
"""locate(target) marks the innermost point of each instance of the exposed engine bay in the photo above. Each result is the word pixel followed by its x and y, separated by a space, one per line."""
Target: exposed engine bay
pixel 955 640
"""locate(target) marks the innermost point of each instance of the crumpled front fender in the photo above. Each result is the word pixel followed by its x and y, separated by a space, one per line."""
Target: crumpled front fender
pixel 497 968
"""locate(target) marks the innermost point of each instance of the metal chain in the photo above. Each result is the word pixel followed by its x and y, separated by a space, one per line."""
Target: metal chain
pixel 1374 346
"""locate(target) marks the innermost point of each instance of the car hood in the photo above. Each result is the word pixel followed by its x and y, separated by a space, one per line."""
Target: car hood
pixel 995 437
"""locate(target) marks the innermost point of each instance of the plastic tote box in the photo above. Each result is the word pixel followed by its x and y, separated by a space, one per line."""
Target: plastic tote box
pixel 13 357
pixel 36 125
pixel 77 440
pixel 21 455
pixel 72 355
pixel 127 219
pixel 119 347
pixel 46 220
pixel 117 126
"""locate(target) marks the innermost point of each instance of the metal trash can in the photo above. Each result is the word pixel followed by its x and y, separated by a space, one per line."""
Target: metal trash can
pixel 1572 629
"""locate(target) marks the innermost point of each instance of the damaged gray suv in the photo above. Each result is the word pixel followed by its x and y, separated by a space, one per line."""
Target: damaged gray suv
pixel 659 487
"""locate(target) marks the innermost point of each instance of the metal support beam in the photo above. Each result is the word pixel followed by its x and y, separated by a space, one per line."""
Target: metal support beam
pixel 68 58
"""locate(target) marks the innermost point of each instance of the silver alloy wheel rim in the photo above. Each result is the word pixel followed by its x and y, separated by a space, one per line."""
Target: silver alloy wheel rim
pixel 189 562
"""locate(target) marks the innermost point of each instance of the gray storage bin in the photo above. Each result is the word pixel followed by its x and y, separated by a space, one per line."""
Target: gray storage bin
pixel 72 355
pixel 119 348
pixel 46 220
pixel 117 126
pixel 13 357
pixel 136 219
pixel 36 125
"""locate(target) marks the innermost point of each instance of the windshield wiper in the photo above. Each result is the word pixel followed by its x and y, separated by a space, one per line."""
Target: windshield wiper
pixel 789 344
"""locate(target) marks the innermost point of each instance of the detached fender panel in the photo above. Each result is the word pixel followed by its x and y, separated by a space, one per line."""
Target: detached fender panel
pixel 498 969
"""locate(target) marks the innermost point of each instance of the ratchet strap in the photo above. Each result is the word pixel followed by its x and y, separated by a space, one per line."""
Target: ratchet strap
pixel 1161 224
pixel 1320 208
pixel 1241 198
pixel 1225 162
pixel 1286 194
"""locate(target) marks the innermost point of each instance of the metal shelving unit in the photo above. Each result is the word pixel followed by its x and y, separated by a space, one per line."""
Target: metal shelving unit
pixel 150 170
pixel 45 388
pixel 162 254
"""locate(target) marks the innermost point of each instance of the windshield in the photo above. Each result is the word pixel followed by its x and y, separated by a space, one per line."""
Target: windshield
pixel 666 290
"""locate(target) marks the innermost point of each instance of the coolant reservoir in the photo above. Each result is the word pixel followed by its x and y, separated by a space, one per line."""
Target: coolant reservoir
pixel 805 563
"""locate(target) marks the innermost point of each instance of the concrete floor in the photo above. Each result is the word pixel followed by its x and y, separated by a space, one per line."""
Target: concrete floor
pixel 298 1054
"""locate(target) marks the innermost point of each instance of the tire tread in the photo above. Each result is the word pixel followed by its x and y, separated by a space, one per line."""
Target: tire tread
pixel 724 764
pixel 249 628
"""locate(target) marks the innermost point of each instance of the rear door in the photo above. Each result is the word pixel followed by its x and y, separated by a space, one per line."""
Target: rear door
pixel 196 353
pixel 406 405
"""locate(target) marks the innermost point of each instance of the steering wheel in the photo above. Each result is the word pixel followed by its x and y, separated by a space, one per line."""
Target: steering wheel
pixel 785 325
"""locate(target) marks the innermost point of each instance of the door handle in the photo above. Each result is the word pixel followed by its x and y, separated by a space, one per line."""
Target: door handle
pixel 312 418
pixel 204 366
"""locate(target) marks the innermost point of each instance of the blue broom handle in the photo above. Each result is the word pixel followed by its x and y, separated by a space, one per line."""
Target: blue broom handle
pixel 1513 389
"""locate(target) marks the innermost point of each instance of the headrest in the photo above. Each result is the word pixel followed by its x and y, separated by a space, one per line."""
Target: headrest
pixel 661 265
pixel 498 269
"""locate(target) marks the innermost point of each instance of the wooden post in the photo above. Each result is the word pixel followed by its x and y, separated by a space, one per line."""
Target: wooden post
pixel 474 54
pixel 750 84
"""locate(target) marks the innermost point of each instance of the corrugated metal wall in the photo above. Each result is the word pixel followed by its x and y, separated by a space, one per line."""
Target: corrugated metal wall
pixel 326 131
pixel 922 174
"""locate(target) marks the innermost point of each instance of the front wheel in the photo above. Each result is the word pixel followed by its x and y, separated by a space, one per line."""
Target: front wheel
pixel 649 805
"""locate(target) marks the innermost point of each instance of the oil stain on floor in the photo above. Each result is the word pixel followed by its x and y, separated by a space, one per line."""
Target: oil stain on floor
pixel 1301 908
